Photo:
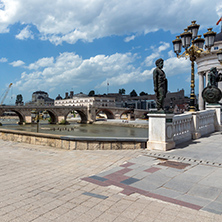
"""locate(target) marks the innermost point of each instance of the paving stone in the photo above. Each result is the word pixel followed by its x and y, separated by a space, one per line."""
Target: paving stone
pixel 98 178
pixel 152 169
pixel 214 207
pixel 130 181
pixel 157 178
pixel 179 185
pixel 167 192
pixel 145 185
pixel 141 175
pixel 194 200
pixel 113 170
pixel 210 193
pixel 95 195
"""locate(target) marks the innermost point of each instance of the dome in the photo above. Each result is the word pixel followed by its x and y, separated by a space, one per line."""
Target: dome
pixel 40 92
pixel 58 97
pixel 218 37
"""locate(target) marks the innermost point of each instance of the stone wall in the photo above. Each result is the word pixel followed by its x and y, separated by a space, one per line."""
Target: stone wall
pixel 72 143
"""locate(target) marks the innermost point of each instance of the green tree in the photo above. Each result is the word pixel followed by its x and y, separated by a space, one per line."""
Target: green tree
pixel 133 93
pixel 91 93
pixel 143 93
pixel 122 91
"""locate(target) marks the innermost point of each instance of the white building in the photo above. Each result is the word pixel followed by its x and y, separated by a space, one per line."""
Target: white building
pixel 204 64
pixel 84 100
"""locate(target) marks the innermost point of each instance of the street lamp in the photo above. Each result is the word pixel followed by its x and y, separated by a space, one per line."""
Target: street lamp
pixel 34 115
pixel 193 45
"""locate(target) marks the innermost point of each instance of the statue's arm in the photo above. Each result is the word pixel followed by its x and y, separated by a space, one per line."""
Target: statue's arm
pixel 155 81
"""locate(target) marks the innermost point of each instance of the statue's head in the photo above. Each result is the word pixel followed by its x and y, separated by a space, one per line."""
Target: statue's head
pixel 159 63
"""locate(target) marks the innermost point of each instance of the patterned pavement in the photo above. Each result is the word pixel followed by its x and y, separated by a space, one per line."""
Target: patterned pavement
pixel 44 184
pixel 193 183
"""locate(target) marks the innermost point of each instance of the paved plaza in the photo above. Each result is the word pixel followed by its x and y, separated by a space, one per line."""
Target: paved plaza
pixel 40 183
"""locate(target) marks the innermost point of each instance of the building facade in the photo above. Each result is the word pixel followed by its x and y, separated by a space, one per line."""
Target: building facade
pixel 41 98
pixel 85 100
pixel 204 64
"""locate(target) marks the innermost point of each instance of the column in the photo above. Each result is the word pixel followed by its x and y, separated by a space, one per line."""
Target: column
pixel 220 87
pixel 201 87
pixel 206 78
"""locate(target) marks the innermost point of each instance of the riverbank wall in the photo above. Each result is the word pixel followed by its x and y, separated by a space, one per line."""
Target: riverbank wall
pixel 73 143
pixel 124 123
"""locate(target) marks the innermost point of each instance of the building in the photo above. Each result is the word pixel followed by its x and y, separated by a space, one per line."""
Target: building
pixel 82 99
pixel 147 102
pixel 204 63
pixel 40 98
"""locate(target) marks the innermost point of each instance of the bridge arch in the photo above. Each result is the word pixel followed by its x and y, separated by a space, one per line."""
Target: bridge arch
pixel 81 113
pixel 20 115
pixel 53 116
pixel 128 112
pixel 108 113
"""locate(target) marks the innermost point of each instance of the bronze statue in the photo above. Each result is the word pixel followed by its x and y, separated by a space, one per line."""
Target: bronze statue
pixel 160 84
pixel 212 93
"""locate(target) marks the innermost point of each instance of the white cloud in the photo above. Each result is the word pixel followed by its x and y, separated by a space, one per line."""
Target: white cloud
pixel 3 60
pixel 44 62
pixel 129 38
pixel 149 61
pixel 25 34
pixel 86 20
pixel 70 69
pixel 174 66
pixel 17 63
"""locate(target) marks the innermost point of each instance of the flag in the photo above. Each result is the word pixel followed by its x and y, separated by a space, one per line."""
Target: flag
pixel 219 21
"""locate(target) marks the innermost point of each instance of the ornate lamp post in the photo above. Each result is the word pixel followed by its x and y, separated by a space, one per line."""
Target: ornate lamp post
pixel 193 45
pixel 35 115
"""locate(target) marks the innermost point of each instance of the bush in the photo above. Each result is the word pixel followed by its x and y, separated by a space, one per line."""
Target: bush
pixel 63 122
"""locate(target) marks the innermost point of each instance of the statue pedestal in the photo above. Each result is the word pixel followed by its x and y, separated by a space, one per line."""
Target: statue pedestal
pixel 218 119
pixel 160 132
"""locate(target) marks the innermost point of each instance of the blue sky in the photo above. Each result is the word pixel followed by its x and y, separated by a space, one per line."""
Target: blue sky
pixel 80 45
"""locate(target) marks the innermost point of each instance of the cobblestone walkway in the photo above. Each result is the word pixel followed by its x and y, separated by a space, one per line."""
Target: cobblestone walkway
pixel 44 184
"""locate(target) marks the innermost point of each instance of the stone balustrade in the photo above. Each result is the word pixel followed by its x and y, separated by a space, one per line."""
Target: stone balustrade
pixel 193 125
pixel 182 125
pixel 206 122
pixel 182 128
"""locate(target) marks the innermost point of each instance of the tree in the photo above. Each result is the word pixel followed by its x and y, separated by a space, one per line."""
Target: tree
pixel 19 99
pixel 122 91
pixel 133 93
pixel 91 93
pixel 143 93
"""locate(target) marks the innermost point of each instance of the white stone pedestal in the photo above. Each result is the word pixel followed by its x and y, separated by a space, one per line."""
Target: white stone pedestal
pixel 160 132
pixel 217 108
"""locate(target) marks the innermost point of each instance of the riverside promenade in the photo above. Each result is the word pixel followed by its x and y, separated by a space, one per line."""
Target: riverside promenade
pixel 39 183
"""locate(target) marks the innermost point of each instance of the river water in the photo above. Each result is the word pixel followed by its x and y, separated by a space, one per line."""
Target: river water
pixel 76 129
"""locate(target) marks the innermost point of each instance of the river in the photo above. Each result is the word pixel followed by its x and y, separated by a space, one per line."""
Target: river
pixel 76 129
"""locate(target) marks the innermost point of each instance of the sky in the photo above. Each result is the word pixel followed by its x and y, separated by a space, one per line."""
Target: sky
pixel 59 46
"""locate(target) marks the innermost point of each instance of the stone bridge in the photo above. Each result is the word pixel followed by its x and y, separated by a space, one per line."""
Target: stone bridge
pixel 59 113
